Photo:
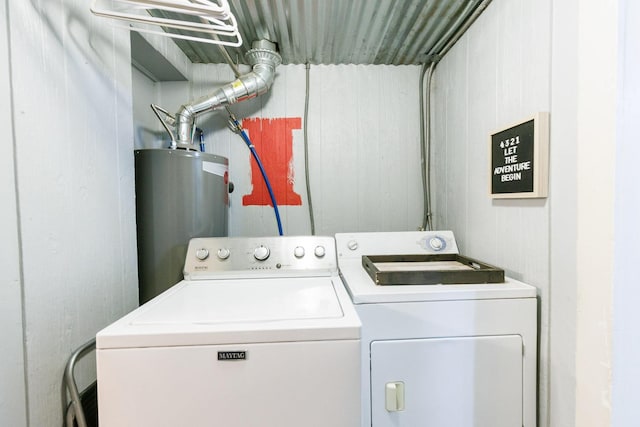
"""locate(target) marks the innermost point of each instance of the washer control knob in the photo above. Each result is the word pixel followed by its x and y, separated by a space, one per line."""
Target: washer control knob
pixel 202 254
pixel 223 253
pixel 298 252
pixel 319 251
pixel 352 245
pixel 436 243
pixel 261 253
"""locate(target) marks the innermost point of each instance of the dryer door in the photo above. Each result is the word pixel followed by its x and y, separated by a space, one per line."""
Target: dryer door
pixel 447 382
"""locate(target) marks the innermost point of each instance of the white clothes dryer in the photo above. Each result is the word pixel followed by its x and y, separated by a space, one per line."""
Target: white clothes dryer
pixel 261 333
pixel 455 355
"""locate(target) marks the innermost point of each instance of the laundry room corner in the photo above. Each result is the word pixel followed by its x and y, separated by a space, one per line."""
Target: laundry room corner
pixel 319 213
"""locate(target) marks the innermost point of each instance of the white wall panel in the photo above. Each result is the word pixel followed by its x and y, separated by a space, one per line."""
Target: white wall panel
pixel 364 148
pixel 626 346
pixel 168 49
pixel 564 128
pixel 71 77
pixel 497 75
pixel 595 196
pixel 450 158
pixel 149 133
pixel 482 216
pixel 12 384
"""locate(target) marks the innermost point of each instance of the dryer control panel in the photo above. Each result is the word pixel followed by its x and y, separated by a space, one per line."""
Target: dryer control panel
pixel 355 245
pixel 283 256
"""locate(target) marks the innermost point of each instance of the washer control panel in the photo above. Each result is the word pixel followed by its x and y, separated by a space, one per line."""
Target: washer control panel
pixel 230 257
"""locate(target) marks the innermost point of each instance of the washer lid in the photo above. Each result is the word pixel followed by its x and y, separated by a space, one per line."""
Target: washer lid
pixel 237 301
pixel 364 291
pixel 238 311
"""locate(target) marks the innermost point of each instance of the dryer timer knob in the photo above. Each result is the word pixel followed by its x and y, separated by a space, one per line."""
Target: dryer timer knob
pixel 437 243
pixel 352 245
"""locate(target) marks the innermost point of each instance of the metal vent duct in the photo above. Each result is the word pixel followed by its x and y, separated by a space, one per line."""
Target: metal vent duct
pixel 392 32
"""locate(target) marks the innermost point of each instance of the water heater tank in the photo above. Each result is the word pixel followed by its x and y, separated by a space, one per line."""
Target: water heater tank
pixel 179 195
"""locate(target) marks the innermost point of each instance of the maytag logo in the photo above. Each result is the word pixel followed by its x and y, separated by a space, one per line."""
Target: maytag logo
pixel 232 355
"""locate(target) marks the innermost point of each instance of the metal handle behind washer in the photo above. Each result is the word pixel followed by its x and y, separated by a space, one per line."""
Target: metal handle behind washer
pixel 74 408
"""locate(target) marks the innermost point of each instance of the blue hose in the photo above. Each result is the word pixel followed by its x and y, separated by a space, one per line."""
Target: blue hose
pixel 201 139
pixel 247 141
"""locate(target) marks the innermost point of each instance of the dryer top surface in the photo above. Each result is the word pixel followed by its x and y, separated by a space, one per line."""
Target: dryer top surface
pixel 363 290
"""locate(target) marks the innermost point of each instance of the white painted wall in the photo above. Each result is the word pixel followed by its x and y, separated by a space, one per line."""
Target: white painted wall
pixel 148 132
pixel 587 220
pixel 364 147
pixel 626 292
pixel 497 75
pixel 71 80
pixel 562 188
pixel 595 158
pixel 12 375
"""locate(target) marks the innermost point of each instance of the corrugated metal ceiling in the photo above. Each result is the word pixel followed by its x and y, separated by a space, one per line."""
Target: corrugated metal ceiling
pixel 396 32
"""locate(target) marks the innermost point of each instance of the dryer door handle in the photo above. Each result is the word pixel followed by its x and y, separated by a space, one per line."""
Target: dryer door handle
pixel 394 396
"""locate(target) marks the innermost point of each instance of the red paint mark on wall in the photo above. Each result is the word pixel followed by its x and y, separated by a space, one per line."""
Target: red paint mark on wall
pixel 273 141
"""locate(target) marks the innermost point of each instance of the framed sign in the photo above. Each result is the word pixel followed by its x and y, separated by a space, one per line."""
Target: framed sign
pixel 519 159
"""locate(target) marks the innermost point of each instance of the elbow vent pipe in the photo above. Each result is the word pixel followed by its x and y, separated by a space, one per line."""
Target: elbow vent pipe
pixel 263 58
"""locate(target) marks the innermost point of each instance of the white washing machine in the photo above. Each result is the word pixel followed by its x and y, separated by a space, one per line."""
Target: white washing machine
pixel 261 333
pixel 455 355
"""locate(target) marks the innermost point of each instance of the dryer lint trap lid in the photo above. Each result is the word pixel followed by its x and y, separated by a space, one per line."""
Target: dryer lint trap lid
pixel 441 269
